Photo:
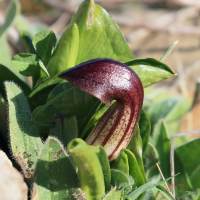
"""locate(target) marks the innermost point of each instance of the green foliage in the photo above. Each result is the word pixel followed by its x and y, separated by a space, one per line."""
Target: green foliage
pixel 114 194
pixel 99 35
pixel 103 159
pixel 145 129
pixel 89 169
pixel 147 186
pixel 160 136
pixel 150 70
pixel 27 42
pixel 24 137
pixel 65 55
pixel 161 105
pixel 65 129
pixel 121 163
pixel 26 64
pixel 135 146
pixel 44 43
pixel 194 195
pixel 189 155
pixel 62 113
pixel 55 175
pixel 7 74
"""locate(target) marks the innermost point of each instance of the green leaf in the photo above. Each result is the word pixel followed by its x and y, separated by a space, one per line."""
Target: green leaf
pixel 134 170
pixel 40 94
pixel 147 186
pixel 44 43
pixel 182 182
pixel 171 48
pixel 24 137
pixel 114 194
pixel 12 12
pixel 150 70
pixel 103 159
pixel 55 176
pixel 145 129
pixel 75 102
pixel 135 146
pixel 27 42
pixel 189 195
pixel 161 142
pixel 89 169
pixel 189 155
pixel 121 163
pixel 65 129
pixel 150 160
pixel 95 114
pixel 26 64
pixel 99 35
pixel 118 177
pixel 7 74
pixel 65 54
pixel 45 74
pixel 165 193
pixel 5 57
pixel 3 118
pixel 171 109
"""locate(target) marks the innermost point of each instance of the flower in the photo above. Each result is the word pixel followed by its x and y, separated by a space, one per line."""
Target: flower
pixel 109 80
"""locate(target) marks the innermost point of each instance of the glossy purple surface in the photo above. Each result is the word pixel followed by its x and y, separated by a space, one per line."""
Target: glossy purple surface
pixel 109 80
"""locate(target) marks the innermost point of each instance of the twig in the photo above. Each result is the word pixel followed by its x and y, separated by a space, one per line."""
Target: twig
pixel 172 167
pixel 172 155
pixel 196 95
pixel 163 178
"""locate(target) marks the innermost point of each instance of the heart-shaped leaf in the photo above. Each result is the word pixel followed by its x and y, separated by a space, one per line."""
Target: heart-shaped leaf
pixel 99 35
pixel 26 64
pixel 44 43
